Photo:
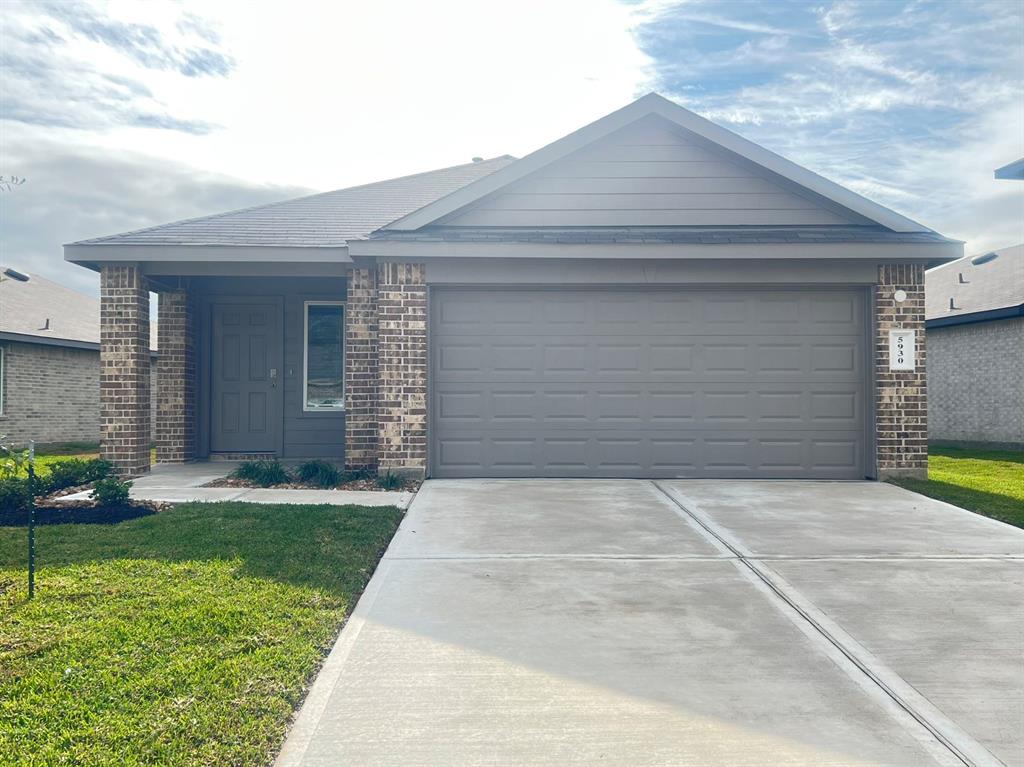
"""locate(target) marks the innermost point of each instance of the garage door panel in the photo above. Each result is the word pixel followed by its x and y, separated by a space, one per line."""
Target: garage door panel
pixel 628 358
pixel 645 313
pixel 726 406
pixel 826 455
pixel 688 383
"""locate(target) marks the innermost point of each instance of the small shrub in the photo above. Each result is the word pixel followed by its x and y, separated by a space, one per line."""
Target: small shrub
pixel 319 473
pixel 262 473
pixel 390 481
pixel 12 461
pixel 111 492
pixel 72 472
pixel 14 494
pixel 354 475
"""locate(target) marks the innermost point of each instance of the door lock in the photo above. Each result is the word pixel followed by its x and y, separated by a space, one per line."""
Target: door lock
pixel 273 377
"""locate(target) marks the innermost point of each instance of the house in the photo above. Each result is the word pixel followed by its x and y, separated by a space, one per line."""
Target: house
pixel 49 361
pixel 974 313
pixel 649 296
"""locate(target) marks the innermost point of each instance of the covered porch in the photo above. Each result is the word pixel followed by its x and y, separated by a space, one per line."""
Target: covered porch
pixel 261 360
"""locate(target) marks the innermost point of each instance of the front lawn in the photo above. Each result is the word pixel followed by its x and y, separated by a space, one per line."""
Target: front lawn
pixel 186 638
pixel 989 482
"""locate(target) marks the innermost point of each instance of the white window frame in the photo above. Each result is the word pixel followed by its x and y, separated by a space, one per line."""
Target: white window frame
pixel 305 357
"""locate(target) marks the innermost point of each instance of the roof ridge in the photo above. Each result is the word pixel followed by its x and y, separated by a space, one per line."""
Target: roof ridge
pixel 213 216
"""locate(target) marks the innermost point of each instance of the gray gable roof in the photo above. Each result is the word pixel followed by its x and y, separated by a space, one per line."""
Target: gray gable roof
pixel 975 285
pixel 39 310
pixel 329 219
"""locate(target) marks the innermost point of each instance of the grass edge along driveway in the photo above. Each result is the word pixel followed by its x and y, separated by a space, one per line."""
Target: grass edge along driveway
pixel 187 637
pixel 988 482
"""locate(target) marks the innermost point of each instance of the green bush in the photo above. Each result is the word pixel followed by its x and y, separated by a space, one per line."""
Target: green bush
pixel 111 492
pixel 14 494
pixel 353 475
pixel 391 481
pixel 72 472
pixel 262 473
pixel 319 473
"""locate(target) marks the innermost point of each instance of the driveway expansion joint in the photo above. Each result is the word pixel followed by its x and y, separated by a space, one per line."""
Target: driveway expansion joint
pixel 860 665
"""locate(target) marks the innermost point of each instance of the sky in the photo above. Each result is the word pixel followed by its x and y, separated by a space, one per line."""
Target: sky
pixel 125 114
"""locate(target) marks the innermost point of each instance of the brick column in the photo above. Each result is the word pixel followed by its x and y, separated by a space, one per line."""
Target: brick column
pixel 361 369
pixel 901 404
pixel 175 426
pixel 402 369
pixel 124 369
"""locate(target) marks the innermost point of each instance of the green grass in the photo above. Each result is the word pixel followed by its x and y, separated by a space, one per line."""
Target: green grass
pixel 989 482
pixel 46 457
pixel 183 638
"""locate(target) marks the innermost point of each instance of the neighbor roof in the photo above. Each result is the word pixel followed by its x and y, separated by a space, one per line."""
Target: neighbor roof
pixel 38 310
pixel 981 288
pixel 26 307
pixel 328 219
pixel 1015 170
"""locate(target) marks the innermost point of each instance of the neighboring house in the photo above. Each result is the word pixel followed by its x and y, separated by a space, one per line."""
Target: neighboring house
pixel 975 320
pixel 49 361
pixel 650 296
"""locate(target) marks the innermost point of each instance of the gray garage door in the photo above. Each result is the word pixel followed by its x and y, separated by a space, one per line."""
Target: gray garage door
pixel 647 383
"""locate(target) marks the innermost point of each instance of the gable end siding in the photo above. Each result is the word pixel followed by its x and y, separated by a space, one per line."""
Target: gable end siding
pixel 649 174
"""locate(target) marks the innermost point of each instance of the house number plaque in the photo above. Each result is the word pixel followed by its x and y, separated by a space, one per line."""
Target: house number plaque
pixel 902 354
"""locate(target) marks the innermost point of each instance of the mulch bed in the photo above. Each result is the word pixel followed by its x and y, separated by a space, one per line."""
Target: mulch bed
pixel 80 513
pixel 369 483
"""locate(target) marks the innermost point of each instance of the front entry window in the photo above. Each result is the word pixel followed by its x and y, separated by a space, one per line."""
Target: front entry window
pixel 323 384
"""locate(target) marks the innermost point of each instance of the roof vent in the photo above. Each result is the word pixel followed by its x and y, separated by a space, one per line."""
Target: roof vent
pixel 961 280
pixel 46 325
pixel 478 159
pixel 952 306
pixel 979 260
pixel 16 275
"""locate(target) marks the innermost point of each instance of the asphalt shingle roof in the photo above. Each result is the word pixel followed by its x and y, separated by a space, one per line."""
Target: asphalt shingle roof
pixel 47 310
pixel 328 219
pixel 992 284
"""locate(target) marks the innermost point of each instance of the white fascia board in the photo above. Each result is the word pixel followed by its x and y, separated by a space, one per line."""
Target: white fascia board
pixel 909 251
pixel 654 104
pixel 88 255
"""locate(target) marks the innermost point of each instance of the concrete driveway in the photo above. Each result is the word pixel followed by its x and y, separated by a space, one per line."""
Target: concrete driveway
pixel 554 622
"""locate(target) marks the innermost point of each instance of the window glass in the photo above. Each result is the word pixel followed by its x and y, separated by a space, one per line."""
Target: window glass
pixel 325 362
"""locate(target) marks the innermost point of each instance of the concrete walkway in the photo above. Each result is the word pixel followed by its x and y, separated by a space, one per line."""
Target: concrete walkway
pixel 559 622
pixel 179 483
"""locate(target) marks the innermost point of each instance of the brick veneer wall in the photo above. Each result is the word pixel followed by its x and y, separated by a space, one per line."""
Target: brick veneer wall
pixel 51 394
pixel 124 369
pixel 901 407
pixel 174 426
pixel 361 373
pixel 402 368
pixel 975 375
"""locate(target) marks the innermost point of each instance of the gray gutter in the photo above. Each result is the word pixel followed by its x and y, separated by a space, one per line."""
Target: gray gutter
pixel 91 255
pixel 68 343
pixel 931 252
pixel 1006 312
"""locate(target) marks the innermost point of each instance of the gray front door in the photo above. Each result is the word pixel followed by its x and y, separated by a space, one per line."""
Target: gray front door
pixel 648 383
pixel 245 401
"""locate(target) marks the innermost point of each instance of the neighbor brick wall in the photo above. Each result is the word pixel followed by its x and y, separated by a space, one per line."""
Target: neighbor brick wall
pixel 402 368
pixel 361 369
pixel 50 394
pixel 124 369
pixel 901 409
pixel 975 380
pixel 174 425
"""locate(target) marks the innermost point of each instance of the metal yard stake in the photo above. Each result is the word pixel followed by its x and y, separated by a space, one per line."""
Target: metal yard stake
pixel 31 519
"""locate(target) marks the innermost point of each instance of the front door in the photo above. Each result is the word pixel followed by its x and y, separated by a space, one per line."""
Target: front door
pixel 245 407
